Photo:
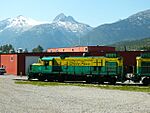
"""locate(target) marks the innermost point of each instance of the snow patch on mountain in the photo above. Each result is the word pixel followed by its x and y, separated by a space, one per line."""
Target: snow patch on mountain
pixel 19 23
pixel 63 18
pixel 140 18
pixel 69 23
pixel 22 21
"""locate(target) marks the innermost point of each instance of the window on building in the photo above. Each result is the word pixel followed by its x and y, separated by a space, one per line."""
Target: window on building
pixel 86 49
pixel 72 49
pixel 11 58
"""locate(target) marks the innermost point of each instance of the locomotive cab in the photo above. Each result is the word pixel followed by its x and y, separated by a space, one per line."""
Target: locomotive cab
pixel 40 69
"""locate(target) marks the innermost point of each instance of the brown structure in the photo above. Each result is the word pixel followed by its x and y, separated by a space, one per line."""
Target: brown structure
pixel 18 64
pixel 82 49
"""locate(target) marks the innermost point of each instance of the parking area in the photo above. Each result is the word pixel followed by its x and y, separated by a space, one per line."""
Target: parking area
pixel 16 98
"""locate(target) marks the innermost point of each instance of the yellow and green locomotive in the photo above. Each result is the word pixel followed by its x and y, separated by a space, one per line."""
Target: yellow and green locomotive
pixel 90 69
pixel 109 68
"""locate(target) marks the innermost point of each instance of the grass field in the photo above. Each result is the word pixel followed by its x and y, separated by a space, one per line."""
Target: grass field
pixel 111 87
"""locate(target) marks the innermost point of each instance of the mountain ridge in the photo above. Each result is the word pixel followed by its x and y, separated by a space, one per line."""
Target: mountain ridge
pixel 136 26
pixel 64 30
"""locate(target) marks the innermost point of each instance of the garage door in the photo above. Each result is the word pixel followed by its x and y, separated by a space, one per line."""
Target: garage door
pixel 30 60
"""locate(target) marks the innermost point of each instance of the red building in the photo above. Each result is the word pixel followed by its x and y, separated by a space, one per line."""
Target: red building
pixel 10 62
pixel 18 63
pixel 82 49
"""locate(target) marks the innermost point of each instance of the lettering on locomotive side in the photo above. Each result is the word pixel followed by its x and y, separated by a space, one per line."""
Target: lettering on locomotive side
pixel 78 64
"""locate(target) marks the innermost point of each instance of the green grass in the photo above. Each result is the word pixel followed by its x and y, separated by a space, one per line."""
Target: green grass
pixel 111 87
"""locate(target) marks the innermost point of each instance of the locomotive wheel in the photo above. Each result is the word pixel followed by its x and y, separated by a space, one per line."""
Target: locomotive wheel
pixel 61 78
pixel 89 80
pixel 41 77
pixel 101 81
pixel 146 81
pixel 112 81
pixel 50 79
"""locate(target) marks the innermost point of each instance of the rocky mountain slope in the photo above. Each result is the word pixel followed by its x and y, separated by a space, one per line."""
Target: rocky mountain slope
pixel 134 27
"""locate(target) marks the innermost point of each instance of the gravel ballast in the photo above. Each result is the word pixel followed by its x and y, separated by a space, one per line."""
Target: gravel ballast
pixel 16 98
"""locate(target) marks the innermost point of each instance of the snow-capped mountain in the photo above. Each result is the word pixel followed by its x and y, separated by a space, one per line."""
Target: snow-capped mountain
pixel 70 24
pixel 19 23
pixel 21 31
pixel 63 18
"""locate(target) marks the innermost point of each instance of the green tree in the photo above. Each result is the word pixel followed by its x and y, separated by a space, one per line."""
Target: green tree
pixel 38 49
pixel 147 48
pixel 7 48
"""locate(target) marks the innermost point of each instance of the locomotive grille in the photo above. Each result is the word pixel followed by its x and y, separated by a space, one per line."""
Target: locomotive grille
pixel 111 67
pixel 145 67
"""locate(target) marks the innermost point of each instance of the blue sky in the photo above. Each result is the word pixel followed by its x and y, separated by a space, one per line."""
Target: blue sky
pixel 92 12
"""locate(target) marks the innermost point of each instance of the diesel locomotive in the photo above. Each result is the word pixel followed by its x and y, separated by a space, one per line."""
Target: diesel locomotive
pixel 109 68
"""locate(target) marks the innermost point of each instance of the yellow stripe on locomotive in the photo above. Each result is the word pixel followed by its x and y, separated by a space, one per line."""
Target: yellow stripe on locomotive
pixel 86 61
